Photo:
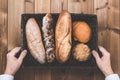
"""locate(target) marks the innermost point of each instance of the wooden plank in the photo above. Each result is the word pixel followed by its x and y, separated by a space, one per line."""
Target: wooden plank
pixel 29 6
pixel 87 6
pixel 14 22
pixel 42 6
pixel 114 14
pixel 75 6
pixel 114 26
pixel 60 73
pixel 0 52
pixel 15 9
pixel 99 75
pixel 56 6
pixel 101 10
pixel 26 73
pixel 115 49
pixel 3 34
pixel 73 74
pixel 43 74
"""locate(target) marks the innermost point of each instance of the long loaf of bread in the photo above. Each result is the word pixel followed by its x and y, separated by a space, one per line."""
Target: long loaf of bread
pixel 48 35
pixel 34 40
pixel 63 37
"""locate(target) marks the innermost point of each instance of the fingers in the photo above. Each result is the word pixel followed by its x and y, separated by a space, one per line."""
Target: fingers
pixel 96 56
pixel 22 55
pixel 14 51
pixel 103 50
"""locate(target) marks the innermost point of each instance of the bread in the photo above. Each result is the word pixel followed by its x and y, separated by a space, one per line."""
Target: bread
pixel 34 40
pixel 63 37
pixel 48 36
pixel 81 31
pixel 81 52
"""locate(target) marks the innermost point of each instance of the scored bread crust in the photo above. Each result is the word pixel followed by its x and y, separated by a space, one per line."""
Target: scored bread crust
pixel 48 35
pixel 63 37
pixel 34 40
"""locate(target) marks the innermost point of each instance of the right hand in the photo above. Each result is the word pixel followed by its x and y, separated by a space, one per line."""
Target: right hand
pixel 103 63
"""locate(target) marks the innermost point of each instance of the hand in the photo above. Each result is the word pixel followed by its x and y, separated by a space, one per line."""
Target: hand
pixel 13 63
pixel 103 63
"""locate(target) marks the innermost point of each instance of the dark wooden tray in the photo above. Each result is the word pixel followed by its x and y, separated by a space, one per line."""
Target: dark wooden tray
pixel 29 61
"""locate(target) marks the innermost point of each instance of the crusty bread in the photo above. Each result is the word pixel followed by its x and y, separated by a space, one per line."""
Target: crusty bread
pixel 34 40
pixel 48 35
pixel 63 37
pixel 81 31
pixel 81 52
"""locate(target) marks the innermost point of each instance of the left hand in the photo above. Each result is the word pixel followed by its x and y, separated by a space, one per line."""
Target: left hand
pixel 13 63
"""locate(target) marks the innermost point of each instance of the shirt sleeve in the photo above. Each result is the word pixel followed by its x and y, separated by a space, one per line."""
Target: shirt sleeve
pixel 6 77
pixel 112 77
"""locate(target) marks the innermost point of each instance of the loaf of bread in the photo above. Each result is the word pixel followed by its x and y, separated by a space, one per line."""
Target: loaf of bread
pixel 81 52
pixel 34 40
pixel 49 37
pixel 63 37
pixel 81 31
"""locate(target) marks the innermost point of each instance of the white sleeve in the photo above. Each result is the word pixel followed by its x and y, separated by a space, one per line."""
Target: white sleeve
pixel 112 77
pixel 6 77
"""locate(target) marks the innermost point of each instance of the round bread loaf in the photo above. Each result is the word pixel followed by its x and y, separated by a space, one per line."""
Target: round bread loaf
pixel 81 52
pixel 81 31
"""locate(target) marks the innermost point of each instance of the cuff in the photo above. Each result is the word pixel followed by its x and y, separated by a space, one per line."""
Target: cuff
pixel 6 77
pixel 112 77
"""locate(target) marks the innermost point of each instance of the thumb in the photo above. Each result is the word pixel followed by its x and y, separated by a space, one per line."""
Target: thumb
pixel 96 56
pixel 22 55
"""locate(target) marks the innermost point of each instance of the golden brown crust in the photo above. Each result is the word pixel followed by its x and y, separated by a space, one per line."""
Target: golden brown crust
pixel 34 40
pixel 48 35
pixel 63 37
pixel 81 52
pixel 81 31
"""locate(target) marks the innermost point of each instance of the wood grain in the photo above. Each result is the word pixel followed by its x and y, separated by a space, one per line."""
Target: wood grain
pixel 56 6
pixel 101 9
pixel 114 14
pixel 115 49
pixel 74 6
pixel 3 34
pixel 87 6
pixel 14 21
pixel 42 6
pixel 29 6
pixel 114 27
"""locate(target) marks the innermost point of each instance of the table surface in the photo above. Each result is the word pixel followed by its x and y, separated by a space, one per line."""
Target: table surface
pixel 108 13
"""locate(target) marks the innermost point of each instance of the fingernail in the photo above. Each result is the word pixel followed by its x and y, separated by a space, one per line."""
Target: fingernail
pixel 93 51
pixel 25 51
pixel 19 47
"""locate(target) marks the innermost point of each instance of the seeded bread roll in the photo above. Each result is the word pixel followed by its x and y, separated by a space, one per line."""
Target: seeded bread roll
pixel 34 40
pixel 81 52
pixel 63 37
pixel 48 35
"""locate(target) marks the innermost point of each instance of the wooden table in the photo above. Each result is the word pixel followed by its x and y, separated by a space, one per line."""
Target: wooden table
pixel 108 12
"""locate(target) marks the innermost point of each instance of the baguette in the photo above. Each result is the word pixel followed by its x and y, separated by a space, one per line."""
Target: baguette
pixel 34 40
pixel 63 37
pixel 48 35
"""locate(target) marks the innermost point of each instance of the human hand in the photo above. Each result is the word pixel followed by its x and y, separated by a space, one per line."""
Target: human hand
pixel 13 63
pixel 103 63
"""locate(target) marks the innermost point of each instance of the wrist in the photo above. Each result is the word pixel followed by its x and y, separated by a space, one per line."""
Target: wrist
pixel 109 72
pixel 9 72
